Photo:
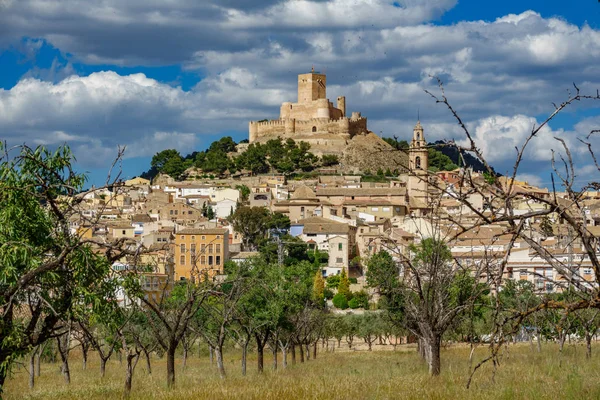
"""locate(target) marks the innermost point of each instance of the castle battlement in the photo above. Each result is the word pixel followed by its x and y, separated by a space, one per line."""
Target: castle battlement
pixel 313 116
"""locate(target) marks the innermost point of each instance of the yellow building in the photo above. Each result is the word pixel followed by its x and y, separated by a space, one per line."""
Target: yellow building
pixel 200 251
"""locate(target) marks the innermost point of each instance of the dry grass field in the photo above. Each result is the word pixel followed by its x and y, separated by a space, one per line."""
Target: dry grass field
pixel 524 374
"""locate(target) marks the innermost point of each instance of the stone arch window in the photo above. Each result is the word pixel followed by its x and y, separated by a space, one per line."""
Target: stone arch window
pixel 418 136
pixel 314 128
pixel 418 162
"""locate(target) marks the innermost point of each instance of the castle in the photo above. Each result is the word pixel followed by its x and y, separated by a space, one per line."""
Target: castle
pixel 312 119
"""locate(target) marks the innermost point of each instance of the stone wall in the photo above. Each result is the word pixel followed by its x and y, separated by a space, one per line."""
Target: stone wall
pixel 314 128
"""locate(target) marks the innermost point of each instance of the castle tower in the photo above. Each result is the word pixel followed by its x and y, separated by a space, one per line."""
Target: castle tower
pixel 311 86
pixel 418 163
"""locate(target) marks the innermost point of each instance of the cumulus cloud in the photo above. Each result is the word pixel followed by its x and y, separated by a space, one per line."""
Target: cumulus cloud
pixel 501 76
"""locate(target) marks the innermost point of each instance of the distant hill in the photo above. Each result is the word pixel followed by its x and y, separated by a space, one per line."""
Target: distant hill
pixel 452 154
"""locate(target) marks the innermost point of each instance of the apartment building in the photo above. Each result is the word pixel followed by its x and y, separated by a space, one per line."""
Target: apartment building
pixel 200 251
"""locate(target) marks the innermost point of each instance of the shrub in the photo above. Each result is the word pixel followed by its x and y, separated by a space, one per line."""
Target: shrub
pixel 353 303
pixel 362 298
pixel 353 280
pixel 340 301
pixel 333 281
pixel 328 293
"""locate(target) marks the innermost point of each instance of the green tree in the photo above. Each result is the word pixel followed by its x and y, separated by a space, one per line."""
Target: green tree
pixel 169 162
pixel 244 192
pixel 329 159
pixel 46 269
pixel 546 226
pixel 210 213
pixel 340 301
pixel 428 296
pixel 252 224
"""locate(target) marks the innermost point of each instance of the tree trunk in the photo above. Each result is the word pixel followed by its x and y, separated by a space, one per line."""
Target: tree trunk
pixel 561 341
pixel 171 366
pixel 433 355
pixel 301 350
pixel 274 353
pixel 38 361
pixel 539 340
pixel 307 352
pixel 220 365
pixel 129 375
pixel 244 357
pixel 315 351
pixel 210 354
pixel 148 364
pixel 102 367
pixel 185 354
pixel 339 342
pixel 63 350
pixel 284 355
pixel 32 369
pixel 260 357
pixel 293 351
pixel 588 345
pixel 84 356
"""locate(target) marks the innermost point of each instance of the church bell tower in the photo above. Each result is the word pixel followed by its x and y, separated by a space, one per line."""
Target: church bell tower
pixel 418 164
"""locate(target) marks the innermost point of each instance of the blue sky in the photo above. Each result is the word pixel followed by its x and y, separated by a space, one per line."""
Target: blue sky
pixel 100 74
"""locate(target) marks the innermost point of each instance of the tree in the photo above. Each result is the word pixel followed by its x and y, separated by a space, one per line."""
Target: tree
pixel 168 162
pixel 546 227
pixel 502 197
pixel 344 285
pixel 426 294
pixel 46 268
pixel 244 192
pixel 252 223
pixel 340 301
pixel 329 159
pixel 319 287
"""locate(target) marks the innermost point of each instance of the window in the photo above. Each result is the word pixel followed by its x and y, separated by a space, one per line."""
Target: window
pixel 339 260
pixel 123 231
pixel 190 212
pixel 587 271
pixel 217 248
pixel 193 237
pixel 203 237
pixel 385 209
pixel 314 128
pixel 176 212
pixel 203 260
pixel 218 260
pixel 171 212
pixel 193 249
pixel 182 247
pixel 182 259
pixel 182 237
pixel 155 284
pixel 340 246
pixel 218 236
pixel 210 260
pixel 374 209
pixel 202 248
pixel 210 248
pixel 418 162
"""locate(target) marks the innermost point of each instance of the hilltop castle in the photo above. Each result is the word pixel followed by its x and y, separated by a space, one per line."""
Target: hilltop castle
pixel 312 119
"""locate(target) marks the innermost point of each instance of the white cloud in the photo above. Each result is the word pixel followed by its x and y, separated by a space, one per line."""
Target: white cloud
pixel 501 76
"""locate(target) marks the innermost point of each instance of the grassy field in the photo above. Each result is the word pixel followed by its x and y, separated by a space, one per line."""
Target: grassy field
pixel 524 374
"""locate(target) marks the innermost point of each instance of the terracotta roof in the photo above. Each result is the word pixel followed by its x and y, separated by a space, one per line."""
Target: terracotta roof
pixel 303 192
pixel 361 191
pixel 141 218
pixel 208 231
